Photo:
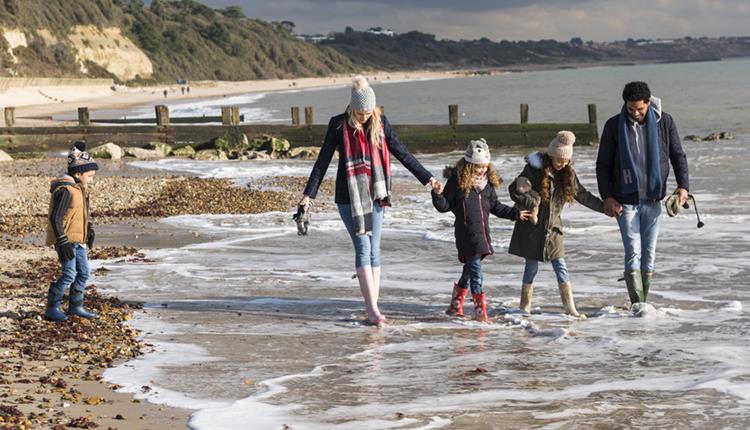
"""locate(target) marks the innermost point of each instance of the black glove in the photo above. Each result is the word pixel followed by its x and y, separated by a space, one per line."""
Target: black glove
pixel 64 249
pixel 90 235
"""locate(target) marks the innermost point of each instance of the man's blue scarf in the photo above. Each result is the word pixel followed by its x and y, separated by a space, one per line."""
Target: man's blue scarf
pixel 628 177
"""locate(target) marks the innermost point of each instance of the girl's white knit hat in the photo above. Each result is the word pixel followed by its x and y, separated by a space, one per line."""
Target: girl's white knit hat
pixel 562 145
pixel 477 152
pixel 363 97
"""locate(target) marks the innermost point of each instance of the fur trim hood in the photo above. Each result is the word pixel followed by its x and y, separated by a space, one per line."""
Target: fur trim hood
pixel 535 160
pixel 61 181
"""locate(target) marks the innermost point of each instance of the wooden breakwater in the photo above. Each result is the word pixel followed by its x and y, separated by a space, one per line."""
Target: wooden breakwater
pixel 418 137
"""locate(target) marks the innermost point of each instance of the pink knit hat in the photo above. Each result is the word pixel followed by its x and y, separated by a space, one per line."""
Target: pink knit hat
pixel 562 145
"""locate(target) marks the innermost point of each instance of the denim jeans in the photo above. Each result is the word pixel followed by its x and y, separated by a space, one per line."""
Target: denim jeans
pixel 639 227
pixel 558 265
pixel 366 246
pixel 74 274
pixel 471 277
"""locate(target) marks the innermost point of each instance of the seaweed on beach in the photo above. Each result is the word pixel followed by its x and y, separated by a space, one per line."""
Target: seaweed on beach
pixel 84 346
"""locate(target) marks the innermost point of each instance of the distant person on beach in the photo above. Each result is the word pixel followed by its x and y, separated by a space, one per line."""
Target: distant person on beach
pixel 165 94
pixel 183 90
pixel 636 148
pixel 70 231
pixel 554 179
pixel 470 194
pixel 365 141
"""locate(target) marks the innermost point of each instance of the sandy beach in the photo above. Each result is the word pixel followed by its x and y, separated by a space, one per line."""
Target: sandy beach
pixel 51 373
pixel 37 99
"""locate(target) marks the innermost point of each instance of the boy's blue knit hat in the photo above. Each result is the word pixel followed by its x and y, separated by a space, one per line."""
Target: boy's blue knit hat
pixel 79 160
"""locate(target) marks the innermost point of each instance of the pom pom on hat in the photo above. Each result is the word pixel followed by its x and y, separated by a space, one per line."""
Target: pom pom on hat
pixel 562 145
pixel 363 97
pixel 79 160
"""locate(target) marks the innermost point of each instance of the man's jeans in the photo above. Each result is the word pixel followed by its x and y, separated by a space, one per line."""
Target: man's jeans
pixel 75 273
pixel 471 277
pixel 639 227
pixel 366 246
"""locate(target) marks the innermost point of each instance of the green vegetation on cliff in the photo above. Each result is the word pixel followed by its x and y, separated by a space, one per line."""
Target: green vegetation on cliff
pixel 182 38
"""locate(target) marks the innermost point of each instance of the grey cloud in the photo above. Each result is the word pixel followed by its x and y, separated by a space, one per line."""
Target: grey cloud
pixel 510 19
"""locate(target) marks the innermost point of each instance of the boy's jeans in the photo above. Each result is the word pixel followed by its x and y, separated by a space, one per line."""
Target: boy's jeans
pixel 75 273
pixel 639 227
pixel 471 277
pixel 558 265
pixel 366 246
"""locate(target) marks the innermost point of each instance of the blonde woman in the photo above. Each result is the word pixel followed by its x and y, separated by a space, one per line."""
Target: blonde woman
pixel 365 140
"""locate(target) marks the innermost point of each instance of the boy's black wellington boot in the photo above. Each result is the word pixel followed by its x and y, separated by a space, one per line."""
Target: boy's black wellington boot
pixel 646 278
pixel 635 286
pixel 75 306
pixel 53 312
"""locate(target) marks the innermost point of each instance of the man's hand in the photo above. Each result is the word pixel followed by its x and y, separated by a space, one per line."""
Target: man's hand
pixel 682 194
pixel 304 201
pixel 612 207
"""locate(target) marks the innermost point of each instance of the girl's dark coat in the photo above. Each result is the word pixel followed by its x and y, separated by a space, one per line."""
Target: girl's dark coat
pixel 472 216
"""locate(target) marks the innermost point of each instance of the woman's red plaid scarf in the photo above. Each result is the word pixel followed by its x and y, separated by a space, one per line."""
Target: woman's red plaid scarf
pixel 368 176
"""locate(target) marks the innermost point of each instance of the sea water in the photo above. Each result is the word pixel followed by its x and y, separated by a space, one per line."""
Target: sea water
pixel 261 328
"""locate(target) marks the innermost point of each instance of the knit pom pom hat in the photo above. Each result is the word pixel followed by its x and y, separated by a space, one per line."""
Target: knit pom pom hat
pixel 79 160
pixel 562 145
pixel 363 97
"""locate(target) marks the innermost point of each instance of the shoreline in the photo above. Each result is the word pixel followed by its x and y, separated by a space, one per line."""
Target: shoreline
pixel 34 109
pixel 53 373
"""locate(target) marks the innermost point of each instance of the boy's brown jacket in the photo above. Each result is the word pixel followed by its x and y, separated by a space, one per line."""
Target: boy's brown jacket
pixel 75 219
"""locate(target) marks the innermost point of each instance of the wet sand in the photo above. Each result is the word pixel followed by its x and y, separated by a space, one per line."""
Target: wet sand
pixel 51 372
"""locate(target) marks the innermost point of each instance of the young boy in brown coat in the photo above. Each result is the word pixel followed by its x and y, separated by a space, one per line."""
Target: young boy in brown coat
pixel 71 233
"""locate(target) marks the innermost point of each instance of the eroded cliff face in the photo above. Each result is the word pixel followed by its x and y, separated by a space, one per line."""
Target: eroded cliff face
pixel 110 49
pixel 14 38
pixel 107 47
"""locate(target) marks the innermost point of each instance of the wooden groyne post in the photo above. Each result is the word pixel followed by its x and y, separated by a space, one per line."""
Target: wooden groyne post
pixel 230 115
pixel 524 113
pixel 10 117
pixel 592 114
pixel 84 119
pixel 295 115
pixel 453 115
pixel 162 116
pixel 308 115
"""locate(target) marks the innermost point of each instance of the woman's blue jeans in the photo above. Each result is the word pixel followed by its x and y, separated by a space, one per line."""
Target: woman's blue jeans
pixel 366 246
pixel 558 265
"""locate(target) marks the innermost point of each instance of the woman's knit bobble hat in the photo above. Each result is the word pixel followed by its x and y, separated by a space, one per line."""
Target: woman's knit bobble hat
pixel 562 145
pixel 79 160
pixel 363 97
pixel 477 152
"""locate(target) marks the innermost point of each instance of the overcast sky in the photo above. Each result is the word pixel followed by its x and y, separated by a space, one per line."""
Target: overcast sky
pixel 600 20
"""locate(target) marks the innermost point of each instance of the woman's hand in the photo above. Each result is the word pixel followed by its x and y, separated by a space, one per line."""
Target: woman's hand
pixel 524 215
pixel 304 201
